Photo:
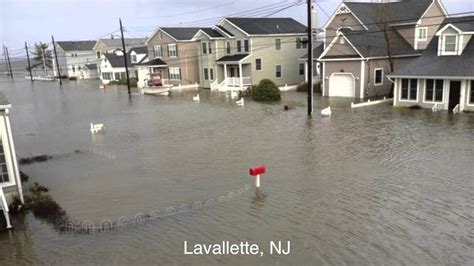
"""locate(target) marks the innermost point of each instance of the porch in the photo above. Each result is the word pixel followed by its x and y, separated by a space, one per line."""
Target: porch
pixel 153 73
pixel 236 73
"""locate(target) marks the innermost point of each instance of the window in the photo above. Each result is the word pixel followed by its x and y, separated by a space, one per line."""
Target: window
pixel 3 166
pixel 278 71
pixel 120 75
pixel 246 46
pixel 98 54
pixel 434 90
pixel 239 46
pixel 157 51
pixel 209 47
pixel 206 74
pixel 450 44
pixel 106 75
pixel 422 34
pixel 204 48
pixel 301 69
pixel 73 68
pixel 79 68
pixel 258 64
pixel 134 58
pixel 211 73
pixel 172 51
pixel 304 43
pixel 227 46
pixel 378 77
pixel 409 89
pixel 278 44
pixel 471 98
pixel 298 43
pixel 175 73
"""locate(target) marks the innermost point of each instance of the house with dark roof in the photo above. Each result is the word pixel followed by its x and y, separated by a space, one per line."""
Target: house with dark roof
pixel 364 42
pixel 442 78
pixel 76 59
pixel 10 181
pixel 113 64
pixel 239 52
pixel 173 58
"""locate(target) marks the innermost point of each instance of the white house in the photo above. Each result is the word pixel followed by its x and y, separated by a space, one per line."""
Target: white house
pixel 10 183
pixel 113 64
pixel 76 59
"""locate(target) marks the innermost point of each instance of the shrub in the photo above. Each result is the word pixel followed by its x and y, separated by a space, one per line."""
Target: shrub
pixel 266 91
pixel 133 82
pixel 303 87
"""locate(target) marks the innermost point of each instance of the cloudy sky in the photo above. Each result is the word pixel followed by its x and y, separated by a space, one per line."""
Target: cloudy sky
pixel 36 20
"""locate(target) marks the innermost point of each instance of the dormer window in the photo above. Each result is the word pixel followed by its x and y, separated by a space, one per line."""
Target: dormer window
pixel 449 44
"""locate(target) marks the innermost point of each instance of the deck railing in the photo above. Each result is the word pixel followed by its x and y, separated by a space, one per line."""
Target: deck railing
pixel 235 81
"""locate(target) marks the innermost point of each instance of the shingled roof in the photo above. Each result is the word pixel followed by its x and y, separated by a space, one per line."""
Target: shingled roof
pixel 432 65
pixel 181 33
pixel 117 60
pixel 465 23
pixel 256 26
pixel 76 45
pixel 139 50
pixel 129 42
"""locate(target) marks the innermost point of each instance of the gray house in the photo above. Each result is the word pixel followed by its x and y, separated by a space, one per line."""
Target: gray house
pixel 76 59
pixel 443 77
pixel 366 41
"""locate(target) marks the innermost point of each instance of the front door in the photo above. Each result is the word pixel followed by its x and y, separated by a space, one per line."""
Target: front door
pixel 454 94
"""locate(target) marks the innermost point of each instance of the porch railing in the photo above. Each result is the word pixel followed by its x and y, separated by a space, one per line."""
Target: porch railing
pixel 235 81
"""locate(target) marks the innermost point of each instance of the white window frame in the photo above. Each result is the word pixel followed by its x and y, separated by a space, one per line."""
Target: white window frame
pixel 409 84
pixel 375 76
pixel 206 73
pixel 228 47
pixel 419 36
pixel 8 163
pixel 469 92
pixel 211 73
pixel 174 73
pixel 304 69
pixel 281 71
pixel 243 46
pixel 172 52
pixel 204 47
pixel 133 58
pixel 157 51
pixel 434 91
pixel 261 64
pixel 443 44
pixel 239 47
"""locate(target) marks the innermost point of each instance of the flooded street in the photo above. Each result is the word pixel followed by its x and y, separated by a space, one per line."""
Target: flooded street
pixel 368 186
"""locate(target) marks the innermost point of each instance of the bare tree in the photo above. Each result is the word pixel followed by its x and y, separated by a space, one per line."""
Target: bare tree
pixel 383 17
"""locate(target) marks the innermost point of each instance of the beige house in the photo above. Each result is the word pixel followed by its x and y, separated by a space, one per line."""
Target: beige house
pixel 239 52
pixel 173 58
pixel 364 42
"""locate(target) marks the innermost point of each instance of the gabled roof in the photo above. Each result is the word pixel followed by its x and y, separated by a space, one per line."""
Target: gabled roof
pixel 224 30
pixel 76 45
pixel 154 62
pixel 129 42
pixel 139 50
pixel 117 60
pixel 212 33
pixel 264 26
pixel 91 66
pixel 181 33
pixel 432 65
pixel 465 23
pixel 404 11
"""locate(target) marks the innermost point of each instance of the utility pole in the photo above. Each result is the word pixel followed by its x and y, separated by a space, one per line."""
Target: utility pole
pixel 9 63
pixel 56 60
pixel 29 64
pixel 310 57
pixel 5 56
pixel 125 56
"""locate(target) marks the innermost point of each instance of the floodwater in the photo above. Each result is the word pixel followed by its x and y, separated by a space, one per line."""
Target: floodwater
pixel 369 186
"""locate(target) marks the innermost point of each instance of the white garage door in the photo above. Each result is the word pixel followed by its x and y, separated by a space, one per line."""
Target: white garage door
pixel 342 85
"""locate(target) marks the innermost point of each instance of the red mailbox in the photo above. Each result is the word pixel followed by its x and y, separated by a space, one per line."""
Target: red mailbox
pixel 257 170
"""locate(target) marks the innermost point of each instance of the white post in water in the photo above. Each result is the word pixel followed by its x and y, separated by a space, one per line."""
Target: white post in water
pixel 257 171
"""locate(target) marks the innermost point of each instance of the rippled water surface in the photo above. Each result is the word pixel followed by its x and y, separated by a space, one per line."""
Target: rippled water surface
pixel 367 186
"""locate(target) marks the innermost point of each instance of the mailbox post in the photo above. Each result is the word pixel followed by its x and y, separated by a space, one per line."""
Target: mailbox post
pixel 257 171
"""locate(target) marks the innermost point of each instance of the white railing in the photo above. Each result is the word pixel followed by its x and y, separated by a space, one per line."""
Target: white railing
pixel 214 85
pixel 4 207
pixel 235 81
pixel 436 107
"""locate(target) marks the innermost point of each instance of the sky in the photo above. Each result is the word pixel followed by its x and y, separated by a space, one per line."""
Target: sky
pixel 37 20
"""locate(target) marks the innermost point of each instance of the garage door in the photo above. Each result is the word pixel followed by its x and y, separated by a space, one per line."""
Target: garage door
pixel 342 85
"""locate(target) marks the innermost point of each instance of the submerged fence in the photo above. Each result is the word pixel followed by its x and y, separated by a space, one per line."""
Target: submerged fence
pixel 88 227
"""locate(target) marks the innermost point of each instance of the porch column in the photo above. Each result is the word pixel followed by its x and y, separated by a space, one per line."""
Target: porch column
pixel 306 71
pixel 240 74
pixel 225 75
